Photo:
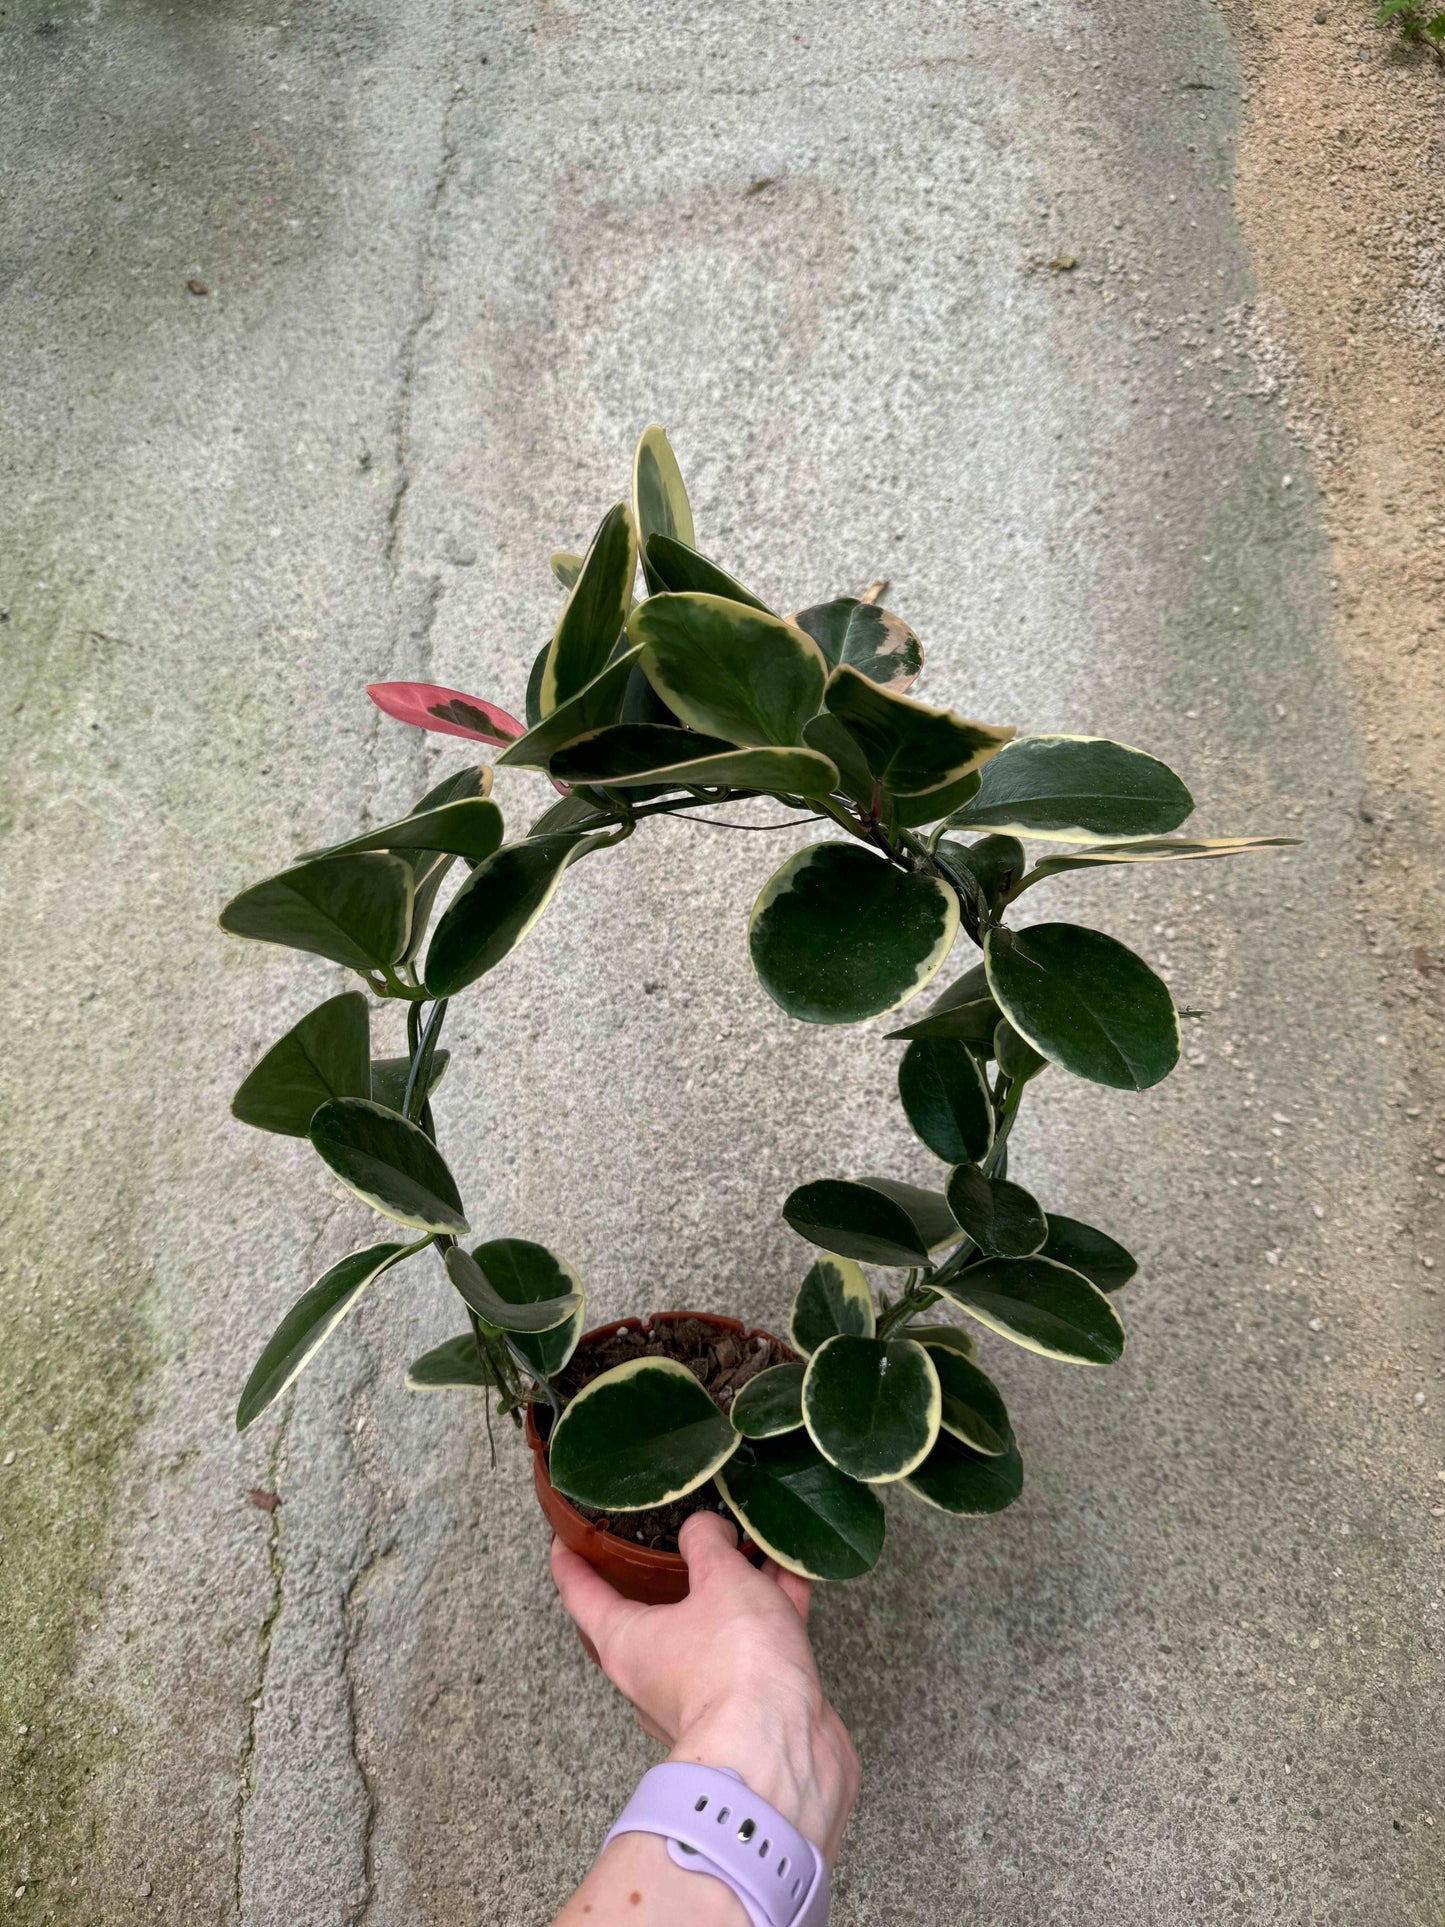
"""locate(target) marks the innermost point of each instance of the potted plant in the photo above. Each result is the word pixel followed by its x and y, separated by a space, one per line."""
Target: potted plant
pixel 695 695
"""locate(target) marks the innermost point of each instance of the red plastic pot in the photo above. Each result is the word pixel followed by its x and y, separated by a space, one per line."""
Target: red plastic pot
pixel 638 1572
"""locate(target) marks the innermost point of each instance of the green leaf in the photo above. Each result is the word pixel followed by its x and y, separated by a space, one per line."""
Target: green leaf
pixel 1103 1262
pixel 594 612
pixel 872 1406
pixel 932 1219
pixel 526 1316
pixel 966 1483
pixel 633 753
pixel 1080 789
pixel 659 500
pixel 643 1434
pixel 429 867
pixel 972 1409
pixel 729 670
pixel 829 737
pixel 994 862
pixel 869 1219
pixel 326 1055
pixel 805 1514
pixel 456 1362
pixel 389 1075
pixel 566 566
pixel 838 934
pixel 310 1322
pixel 591 708
pixel 949 1338
pixel 966 1011
pixel 390 1164
pixel 930 805
pixel 523 1273
pixel 532 707
pixel 567 814
pixel 1002 1218
pixel 855 1221
pixel 1017 1060
pixel 860 635
pixel 1157 849
pixel 833 1298
pixel 496 907
pixel 356 910
pixel 1043 1306
pixel 945 1097
pixel 1084 1001
pixel 770 1404
pixel 674 567
pixel 910 748
pixel 469 827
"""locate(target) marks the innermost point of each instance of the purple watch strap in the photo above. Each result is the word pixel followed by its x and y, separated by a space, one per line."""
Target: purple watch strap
pixel 713 1824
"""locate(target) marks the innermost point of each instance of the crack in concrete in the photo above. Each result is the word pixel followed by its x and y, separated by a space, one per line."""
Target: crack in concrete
pixel 352 1611
pixel 427 302
pixel 276 1565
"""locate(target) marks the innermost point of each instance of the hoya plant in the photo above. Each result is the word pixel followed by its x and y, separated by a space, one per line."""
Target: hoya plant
pixel 692 694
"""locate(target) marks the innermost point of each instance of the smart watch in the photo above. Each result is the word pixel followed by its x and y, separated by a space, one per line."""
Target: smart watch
pixel 713 1824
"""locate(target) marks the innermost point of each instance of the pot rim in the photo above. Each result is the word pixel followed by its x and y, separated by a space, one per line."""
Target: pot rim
pixel 646 1556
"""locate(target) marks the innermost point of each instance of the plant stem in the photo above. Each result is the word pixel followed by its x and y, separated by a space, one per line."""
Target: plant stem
pixel 960 882
pixel 418 1077
pixel 918 1294
pixel 393 986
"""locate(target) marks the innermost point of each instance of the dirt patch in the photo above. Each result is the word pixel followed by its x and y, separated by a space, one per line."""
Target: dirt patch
pixel 1341 191
pixel 721 1362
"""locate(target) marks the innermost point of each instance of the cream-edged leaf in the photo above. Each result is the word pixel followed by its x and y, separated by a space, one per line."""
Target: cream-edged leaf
pixel 770 1404
pixel 838 934
pixel 1076 789
pixel 833 1298
pixel 872 1406
pixel 594 612
pixel 311 1321
pixel 642 1434
pixel 455 1363
pixel 1044 1306
pixel 729 670
pixel 804 1513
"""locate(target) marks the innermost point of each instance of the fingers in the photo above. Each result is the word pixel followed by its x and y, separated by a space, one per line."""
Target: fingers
pixel 653 1731
pixel 709 1543
pixel 599 1611
pixel 797 1591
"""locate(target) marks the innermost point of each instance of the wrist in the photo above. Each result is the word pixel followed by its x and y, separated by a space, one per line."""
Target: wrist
pixel 790 1750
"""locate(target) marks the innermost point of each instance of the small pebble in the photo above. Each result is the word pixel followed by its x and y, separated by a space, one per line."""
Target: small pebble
pixel 1419 1398
pixel 1317 1324
pixel 9 1459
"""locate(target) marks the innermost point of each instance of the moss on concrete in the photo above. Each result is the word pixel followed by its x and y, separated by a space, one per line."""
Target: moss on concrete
pixel 74 1365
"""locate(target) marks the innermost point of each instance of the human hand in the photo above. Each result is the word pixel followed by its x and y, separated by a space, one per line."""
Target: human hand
pixel 726 1678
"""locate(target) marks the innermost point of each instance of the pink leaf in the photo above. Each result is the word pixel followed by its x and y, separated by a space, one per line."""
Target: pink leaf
pixel 426 706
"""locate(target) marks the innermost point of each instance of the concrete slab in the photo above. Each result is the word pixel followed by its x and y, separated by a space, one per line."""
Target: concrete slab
pixel 454 260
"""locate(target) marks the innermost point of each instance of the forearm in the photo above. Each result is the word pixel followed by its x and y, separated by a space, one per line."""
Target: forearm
pixel 791 1751
pixel 635 1884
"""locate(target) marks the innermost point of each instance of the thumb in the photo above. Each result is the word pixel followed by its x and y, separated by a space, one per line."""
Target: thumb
pixel 709 1544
